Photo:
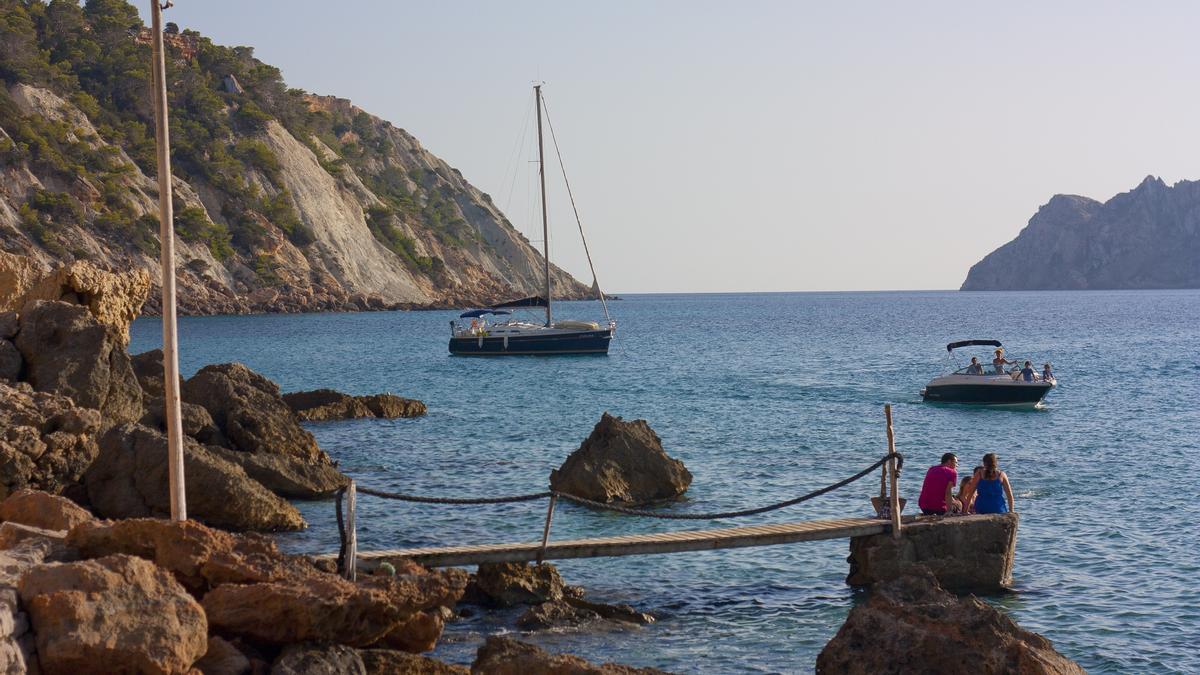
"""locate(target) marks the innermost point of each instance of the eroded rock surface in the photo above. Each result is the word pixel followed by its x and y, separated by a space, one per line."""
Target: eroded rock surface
pixel 114 298
pixel 318 660
pixel 621 462
pixel 391 662
pixel 10 361
pixel 68 351
pixel 129 479
pixel 113 614
pixel 39 509
pixel 223 658
pixel 912 625
pixel 252 415
pixel 46 441
pixel 506 656
pixel 509 584
pixel 326 404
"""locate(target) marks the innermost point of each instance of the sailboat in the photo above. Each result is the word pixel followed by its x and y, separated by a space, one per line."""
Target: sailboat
pixel 495 331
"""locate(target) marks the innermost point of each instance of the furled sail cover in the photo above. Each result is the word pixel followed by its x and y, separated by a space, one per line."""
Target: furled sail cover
pixel 972 343
pixel 535 301
pixel 472 313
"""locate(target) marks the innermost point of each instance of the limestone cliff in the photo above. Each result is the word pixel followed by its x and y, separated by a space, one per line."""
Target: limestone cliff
pixel 1148 237
pixel 284 201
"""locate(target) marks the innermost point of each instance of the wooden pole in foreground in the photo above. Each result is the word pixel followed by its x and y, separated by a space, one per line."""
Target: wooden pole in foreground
pixel 891 463
pixel 351 571
pixel 167 238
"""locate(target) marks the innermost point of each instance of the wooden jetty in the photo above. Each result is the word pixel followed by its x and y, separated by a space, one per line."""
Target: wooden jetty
pixel 633 544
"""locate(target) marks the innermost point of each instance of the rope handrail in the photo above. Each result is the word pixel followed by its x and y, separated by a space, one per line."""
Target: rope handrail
pixel 453 500
pixel 623 509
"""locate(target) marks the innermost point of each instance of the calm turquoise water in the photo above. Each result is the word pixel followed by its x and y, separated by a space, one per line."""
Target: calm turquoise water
pixel 765 397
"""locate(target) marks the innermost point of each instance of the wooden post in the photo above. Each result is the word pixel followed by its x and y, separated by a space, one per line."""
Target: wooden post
pixel 167 239
pixel 351 570
pixel 891 464
pixel 546 531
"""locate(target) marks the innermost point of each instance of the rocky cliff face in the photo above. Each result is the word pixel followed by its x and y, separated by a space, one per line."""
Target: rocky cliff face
pixel 1148 237
pixel 284 201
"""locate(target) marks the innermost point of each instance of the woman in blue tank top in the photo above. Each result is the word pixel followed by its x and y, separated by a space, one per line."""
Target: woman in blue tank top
pixel 993 494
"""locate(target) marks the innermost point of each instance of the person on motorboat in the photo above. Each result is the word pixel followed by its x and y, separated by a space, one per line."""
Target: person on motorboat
pixel 999 362
pixel 975 368
pixel 993 493
pixel 1027 373
pixel 1047 376
pixel 937 492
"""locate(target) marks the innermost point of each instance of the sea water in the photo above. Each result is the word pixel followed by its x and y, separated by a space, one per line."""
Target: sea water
pixel 765 397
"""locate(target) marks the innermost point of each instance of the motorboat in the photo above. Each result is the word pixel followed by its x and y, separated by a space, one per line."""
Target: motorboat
pixel 983 383
pixel 503 334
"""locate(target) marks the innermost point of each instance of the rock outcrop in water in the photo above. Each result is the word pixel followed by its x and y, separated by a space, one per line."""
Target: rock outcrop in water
pixel 323 405
pixel 1148 237
pixel 621 462
pixel 264 436
pixel 911 625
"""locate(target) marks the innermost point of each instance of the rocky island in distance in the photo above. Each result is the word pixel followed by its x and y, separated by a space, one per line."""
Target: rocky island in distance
pixel 1146 238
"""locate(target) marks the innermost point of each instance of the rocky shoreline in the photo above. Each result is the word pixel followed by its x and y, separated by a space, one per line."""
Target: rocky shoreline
pixel 93 579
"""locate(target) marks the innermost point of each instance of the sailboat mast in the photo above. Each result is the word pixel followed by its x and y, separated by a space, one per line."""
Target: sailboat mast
pixel 545 225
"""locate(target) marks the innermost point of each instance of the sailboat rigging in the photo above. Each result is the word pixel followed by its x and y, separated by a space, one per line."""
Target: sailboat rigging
pixel 509 336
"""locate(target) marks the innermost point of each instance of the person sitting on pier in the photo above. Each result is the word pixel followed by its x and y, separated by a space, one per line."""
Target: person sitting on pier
pixel 937 492
pixel 966 491
pixel 992 489
pixel 975 368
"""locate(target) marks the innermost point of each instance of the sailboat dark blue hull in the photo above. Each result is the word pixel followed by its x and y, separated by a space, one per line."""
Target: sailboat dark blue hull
pixel 573 342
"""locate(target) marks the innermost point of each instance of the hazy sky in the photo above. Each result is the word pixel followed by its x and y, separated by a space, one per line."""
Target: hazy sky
pixel 763 146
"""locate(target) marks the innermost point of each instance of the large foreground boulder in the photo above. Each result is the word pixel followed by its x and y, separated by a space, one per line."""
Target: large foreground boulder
pixel 200 557
pixel 40 509
pixel 19 552
pixel 323 405
pixel 112 614
pixel 129 479
pixel 621 462
pixel 912 625
pixel 68 351
pixel 253 592
pixel 967 554
pixel 114 298
pixel 505 656
pixel 252 415
pixel 46 441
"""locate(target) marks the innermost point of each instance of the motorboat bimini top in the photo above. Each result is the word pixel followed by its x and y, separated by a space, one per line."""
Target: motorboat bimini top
pixel 986 384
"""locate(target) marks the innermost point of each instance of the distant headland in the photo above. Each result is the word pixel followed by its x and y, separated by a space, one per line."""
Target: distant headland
pixel 1148 237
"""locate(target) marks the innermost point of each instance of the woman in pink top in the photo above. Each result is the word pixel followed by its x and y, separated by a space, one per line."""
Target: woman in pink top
pixel 937 492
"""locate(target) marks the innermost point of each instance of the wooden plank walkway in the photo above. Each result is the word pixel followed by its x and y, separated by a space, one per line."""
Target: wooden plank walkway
pixel 635 544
